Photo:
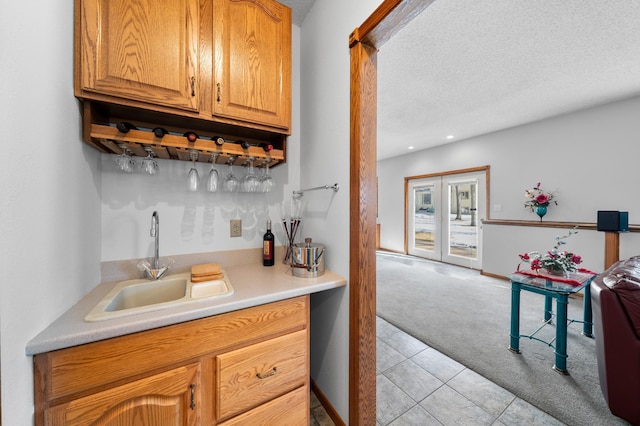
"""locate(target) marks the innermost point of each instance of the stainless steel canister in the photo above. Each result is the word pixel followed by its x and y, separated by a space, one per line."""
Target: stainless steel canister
pixel 308 259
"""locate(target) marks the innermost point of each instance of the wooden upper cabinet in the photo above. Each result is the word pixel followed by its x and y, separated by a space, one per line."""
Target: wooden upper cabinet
pixel 143 50
pixel 252 61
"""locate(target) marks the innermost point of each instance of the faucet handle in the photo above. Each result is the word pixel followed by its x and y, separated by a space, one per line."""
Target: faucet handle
pixel 144 266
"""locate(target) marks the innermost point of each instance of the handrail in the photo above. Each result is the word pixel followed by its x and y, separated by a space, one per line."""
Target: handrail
pixel 549 224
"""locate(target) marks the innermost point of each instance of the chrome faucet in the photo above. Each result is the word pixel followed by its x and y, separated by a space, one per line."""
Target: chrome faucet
pixel 153 270
pixel 155 232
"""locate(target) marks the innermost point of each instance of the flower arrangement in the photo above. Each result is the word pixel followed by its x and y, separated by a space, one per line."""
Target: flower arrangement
pixel 554 261
pixel 536 197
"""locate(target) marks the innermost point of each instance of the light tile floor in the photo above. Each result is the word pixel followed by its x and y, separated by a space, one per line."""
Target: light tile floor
pixel 419 386
pixel 319 416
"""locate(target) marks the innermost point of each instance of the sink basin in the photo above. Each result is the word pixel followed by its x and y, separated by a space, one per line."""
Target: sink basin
pixel 143 295
pixel 151 293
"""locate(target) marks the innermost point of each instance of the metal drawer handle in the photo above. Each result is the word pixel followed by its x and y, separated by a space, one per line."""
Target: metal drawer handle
pixel 269 374
pixel 193 396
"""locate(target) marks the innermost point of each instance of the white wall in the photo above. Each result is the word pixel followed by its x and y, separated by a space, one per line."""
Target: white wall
pixel 325 161
pixel 49 190
pixel 190 222
pixel 588 157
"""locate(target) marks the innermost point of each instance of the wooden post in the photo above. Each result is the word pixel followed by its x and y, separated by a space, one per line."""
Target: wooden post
pixel 362 241
pixel 611 248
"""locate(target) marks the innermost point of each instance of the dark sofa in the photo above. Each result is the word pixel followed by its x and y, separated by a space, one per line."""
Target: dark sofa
pixel 615 296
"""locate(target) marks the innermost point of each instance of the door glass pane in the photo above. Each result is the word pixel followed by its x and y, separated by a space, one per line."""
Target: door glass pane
pixel 424 218
pixel 463 227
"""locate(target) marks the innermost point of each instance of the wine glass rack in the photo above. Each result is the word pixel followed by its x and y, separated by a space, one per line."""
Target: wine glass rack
pixel 111 138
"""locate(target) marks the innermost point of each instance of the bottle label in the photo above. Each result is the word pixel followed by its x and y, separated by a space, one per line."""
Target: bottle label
pixel 266 249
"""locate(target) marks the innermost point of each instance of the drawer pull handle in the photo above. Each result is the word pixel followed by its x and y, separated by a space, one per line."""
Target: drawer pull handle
pixel 269 374
pixel 193 396
pixel 193 86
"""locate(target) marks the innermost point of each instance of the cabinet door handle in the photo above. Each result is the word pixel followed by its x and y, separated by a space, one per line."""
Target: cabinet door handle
pixel 193 86
pixel 269 374
pixel 219 92
pixel 193 396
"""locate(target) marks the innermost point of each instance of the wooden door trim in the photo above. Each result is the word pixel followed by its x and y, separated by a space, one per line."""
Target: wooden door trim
pixel 450 172
pixel 362 260
pixel 386 20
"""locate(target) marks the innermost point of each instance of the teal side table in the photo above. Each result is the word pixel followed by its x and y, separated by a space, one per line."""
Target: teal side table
pixel 560 291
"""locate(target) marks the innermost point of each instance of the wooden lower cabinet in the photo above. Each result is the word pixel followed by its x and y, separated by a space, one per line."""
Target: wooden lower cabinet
pixel 251 376
pixel 291 409
pixel 165 399
pixel 248 367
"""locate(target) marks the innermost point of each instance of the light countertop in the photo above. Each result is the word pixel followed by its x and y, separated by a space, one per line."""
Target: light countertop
pixel 253 285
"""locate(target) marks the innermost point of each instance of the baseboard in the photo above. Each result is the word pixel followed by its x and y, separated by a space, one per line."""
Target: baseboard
pixel 489 274
pixel 327 405
pixel 390 251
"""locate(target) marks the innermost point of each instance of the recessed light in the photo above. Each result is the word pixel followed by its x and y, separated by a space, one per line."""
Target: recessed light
pixel 449 136
pixel 410 147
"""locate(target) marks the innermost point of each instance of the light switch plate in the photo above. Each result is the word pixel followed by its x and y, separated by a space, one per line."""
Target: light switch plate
pixel 235 228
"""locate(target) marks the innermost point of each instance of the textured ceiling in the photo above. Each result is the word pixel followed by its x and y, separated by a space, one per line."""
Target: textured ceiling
pixel 467 68
pixel 299 9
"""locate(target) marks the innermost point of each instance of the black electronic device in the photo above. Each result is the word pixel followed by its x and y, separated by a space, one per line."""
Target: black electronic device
pixel 613 221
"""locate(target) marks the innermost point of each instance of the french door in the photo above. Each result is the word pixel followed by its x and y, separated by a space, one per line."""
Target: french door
pixel 444 215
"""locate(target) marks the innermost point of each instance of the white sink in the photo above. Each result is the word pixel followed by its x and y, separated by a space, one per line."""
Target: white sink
pixel 143 295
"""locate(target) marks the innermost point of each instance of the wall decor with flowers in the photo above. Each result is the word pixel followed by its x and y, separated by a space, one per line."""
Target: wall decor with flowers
pixel 538 200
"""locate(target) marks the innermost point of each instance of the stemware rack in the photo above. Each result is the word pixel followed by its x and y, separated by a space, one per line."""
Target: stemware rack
pixel 178 147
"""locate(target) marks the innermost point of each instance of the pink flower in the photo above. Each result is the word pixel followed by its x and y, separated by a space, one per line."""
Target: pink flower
pixel 536 264
pixel 542 199
pixel 576 259
pixel 524 257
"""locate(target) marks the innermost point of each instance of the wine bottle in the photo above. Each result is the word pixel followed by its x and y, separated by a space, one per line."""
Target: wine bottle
pixel 159 132
pixel 125 126
pixel 218 140
pixel 191 136
pixel 267 247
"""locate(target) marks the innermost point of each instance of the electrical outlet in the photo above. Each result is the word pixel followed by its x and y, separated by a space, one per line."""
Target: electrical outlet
pixel 236 228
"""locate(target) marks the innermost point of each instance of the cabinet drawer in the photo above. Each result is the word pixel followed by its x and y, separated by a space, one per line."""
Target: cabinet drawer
pixel 255 374
pixel 291 409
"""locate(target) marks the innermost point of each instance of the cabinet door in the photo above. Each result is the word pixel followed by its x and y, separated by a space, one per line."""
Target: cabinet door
pixel 145 50
pixel 167 399
pixel 252 61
